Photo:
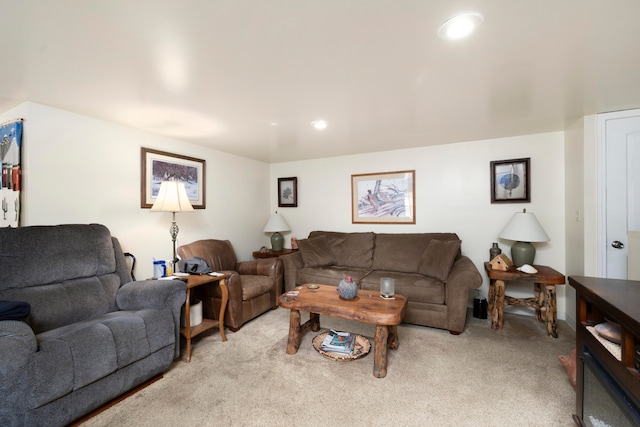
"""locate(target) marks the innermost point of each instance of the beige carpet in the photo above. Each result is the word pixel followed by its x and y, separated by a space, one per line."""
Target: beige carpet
pixel 479 378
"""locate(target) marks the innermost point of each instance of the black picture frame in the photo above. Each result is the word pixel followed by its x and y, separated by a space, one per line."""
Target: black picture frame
pixel 288 192
pixel 511 181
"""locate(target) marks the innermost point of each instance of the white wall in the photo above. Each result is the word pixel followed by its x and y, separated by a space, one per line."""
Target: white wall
pixel 78 169
pixel 452 195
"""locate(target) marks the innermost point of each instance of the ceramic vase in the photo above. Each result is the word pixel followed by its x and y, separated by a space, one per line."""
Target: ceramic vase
pixel 347 288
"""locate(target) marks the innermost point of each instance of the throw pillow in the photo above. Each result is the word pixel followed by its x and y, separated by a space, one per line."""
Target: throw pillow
pixel 316 252
pixel 438 258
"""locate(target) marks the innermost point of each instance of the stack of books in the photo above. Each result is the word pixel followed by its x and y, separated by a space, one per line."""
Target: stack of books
pixel 339 342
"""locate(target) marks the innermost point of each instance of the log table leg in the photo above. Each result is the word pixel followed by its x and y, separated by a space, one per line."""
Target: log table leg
pixel 293 343
pixel 314 321
pixel 491 296
pixel 550 308
pixel 539 298
pixel 497 314
pixel 393 341
pixel 380 352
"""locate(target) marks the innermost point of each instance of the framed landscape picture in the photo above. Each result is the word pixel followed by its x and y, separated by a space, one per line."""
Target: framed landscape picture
pixel 383 198
pixel 510 181
pixel 158 166
pixel 288 192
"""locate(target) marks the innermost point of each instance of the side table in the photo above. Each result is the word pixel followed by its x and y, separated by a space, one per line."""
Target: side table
pixel 189 331
pixel 544 300
pixel 273 254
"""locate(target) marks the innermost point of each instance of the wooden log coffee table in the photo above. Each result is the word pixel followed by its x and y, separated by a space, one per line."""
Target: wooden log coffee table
pixel 366 307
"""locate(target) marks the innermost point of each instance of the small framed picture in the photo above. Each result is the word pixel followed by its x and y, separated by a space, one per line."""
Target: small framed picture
pixel 510 181
pixel 288 192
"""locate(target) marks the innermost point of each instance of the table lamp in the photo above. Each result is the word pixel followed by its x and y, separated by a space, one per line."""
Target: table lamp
pixel 524 228
pixel 172 197
pixel 275 225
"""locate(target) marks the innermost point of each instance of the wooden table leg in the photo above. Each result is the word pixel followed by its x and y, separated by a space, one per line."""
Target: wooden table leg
pixel 550 308
pixel 187 324
pixel 491 296
pixel 540 302
pixel 223 307
pixel 393 341
pixel 497 314
pixel 314 320
pixel 380 352
pixel 293 343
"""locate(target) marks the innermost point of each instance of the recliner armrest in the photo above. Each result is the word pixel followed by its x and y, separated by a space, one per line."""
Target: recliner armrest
pixel 158 294
pixel 271 267
pixel 17 346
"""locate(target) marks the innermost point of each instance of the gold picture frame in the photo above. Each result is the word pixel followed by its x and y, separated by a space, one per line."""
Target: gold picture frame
pixel 383 198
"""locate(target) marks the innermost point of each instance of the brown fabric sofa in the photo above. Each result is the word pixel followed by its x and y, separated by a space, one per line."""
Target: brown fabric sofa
pixel 428 269
pixel 254 286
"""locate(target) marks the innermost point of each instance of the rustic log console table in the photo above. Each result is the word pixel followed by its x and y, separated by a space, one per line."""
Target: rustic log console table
pixel 366 307
pixel 544 300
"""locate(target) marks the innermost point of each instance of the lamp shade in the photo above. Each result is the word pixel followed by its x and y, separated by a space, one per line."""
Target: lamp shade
pixel 276 223
pixel 172 197
pixel 524 227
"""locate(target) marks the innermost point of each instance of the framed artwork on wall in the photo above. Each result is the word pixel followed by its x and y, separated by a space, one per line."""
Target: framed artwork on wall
pixel 510 181
pixel 288 192
pixel 383 198
pixel 158 166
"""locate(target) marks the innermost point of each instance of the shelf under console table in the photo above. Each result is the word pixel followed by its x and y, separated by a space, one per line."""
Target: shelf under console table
pixel 607 373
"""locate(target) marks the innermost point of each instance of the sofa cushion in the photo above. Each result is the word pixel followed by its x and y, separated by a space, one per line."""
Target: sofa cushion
pixel 400 252
pixel 350 249
pixel 416 287
pixel 330 275
pixel 316 252
pixel 438 258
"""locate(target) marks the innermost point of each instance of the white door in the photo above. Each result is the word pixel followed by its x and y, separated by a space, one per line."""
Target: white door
pixel 620 158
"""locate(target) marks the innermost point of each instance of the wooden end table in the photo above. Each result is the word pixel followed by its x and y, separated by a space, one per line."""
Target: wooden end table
pixel 189 331
pixel 366 307
pixel 544 300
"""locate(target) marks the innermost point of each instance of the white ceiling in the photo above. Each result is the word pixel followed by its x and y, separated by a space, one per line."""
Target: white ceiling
pixel 248 76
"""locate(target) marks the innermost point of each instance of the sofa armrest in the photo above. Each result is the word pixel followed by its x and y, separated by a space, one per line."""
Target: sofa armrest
pixel 17 345
pixel 463 277
pixel 291 263
pixel 158 294
pixel 271 267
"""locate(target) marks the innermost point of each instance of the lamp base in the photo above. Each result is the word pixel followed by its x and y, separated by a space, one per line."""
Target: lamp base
pixel 522 253
pixel 277 242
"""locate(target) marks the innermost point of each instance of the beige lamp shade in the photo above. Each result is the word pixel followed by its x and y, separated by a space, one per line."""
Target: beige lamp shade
pixel 524 227
pixel 172 197
pixel 276 223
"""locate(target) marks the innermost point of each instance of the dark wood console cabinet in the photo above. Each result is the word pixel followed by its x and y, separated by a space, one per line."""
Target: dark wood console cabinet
pixel 607 375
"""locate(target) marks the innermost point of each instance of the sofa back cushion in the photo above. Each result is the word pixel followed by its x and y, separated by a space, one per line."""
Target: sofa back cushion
pixel 66 273
pixel 437 260
pixel 316 252
pixel 350 249
pixel 218 254
pixel 403 252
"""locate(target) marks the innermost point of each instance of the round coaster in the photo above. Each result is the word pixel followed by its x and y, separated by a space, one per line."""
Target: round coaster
pixel 360 349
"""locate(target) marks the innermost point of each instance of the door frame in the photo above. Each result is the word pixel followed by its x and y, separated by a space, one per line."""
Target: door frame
pixel 602 183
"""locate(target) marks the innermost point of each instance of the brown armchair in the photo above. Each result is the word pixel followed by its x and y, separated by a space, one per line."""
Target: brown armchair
pixel 254 286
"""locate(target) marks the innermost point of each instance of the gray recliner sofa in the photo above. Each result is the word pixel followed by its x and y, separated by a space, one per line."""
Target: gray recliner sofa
pixel 92 333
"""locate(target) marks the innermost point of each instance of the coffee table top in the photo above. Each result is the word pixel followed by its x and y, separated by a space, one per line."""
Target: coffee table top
pixel 367 307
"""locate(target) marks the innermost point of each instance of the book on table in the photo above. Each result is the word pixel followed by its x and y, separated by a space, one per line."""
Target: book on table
pixel 339 342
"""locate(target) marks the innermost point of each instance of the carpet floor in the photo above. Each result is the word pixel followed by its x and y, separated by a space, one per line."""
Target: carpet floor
pixel 479 378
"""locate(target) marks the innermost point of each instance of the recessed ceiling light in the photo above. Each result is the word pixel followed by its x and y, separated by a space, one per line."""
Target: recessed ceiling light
pixel 319 124
pixel 460 26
